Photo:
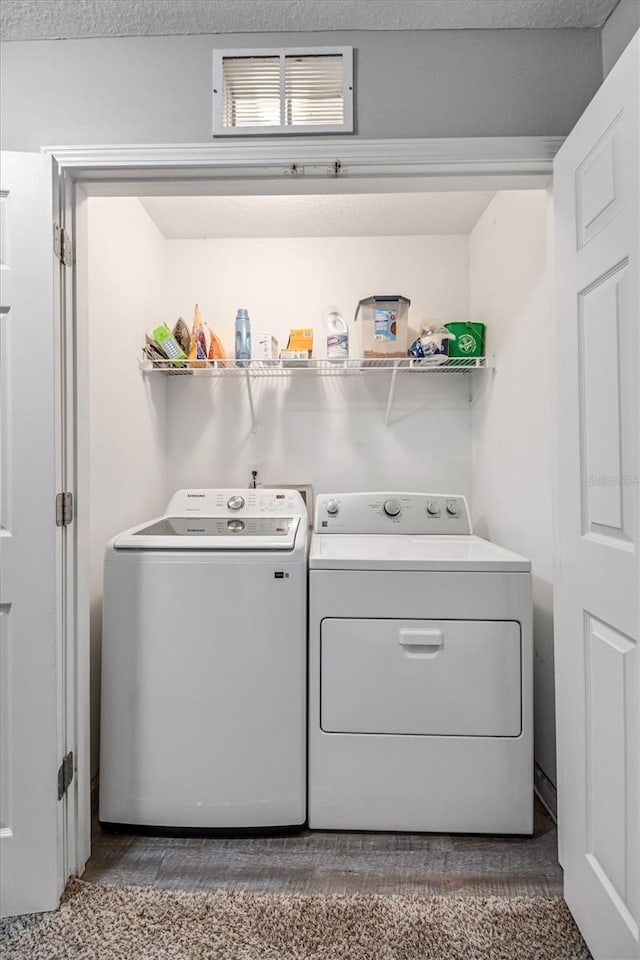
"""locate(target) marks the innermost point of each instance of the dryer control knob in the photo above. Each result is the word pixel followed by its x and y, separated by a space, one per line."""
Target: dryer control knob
pixel 332 508
pixel 433 508
pixel 452 508
pixel 235 503
pixel 391 508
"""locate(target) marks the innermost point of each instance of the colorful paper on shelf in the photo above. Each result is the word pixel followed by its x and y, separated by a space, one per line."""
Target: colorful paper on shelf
pixel 198 348
pixel 182 335
pixel 216 350
pixel 169 346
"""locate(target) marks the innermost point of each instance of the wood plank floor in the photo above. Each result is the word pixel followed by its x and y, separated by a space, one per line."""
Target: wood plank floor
pixel 328 862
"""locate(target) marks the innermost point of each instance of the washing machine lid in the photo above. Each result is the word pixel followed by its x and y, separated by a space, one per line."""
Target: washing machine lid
pixel 405 552
pixel 212 533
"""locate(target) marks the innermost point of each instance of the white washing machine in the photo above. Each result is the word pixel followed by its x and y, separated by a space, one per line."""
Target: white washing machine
pixel 420 670
pixel 203 722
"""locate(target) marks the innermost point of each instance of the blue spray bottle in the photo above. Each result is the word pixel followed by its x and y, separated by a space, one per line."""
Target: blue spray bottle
pixel 243 335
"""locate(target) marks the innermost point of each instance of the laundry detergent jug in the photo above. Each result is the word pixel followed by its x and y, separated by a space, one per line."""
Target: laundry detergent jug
pixel 337 338
pixel 243 335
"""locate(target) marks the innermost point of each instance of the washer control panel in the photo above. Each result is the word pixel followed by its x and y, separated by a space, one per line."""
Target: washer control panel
pixel 258 502
pixel 420 514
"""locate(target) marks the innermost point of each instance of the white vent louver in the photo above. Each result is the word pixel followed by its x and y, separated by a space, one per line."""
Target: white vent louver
pixel 283 91
pixel 251 91
pixel 313 90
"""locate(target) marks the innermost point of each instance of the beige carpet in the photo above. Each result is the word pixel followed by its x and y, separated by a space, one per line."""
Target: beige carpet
pixel 130 923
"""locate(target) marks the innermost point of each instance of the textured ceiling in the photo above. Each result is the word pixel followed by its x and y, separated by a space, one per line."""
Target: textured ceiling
pixel 361 215
pixel 65 19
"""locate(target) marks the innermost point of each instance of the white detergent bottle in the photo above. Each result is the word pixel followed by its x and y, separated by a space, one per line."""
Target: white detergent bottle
pixel 337 338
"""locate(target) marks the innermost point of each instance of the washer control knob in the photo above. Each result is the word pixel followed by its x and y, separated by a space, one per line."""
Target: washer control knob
pixel 391 508
pixel 433 508
pixel 452 508
pixel 235 525
pixel 235 503
pixel 332 508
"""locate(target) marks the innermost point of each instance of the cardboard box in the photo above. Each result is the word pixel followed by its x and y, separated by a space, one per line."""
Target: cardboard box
pixel 266 347
pixel 301 338
pixel 292 358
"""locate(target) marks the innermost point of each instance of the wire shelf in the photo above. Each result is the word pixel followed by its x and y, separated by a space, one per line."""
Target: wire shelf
pixel 321 368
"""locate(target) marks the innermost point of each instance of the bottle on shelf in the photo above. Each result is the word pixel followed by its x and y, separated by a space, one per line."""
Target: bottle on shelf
pixel 337 338
pixel 243 335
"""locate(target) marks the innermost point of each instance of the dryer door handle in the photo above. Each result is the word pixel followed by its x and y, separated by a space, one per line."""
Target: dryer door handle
pixel 425 641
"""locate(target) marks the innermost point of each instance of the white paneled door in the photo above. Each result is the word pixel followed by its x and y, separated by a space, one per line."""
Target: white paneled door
pixel 597 573
pixel 29 808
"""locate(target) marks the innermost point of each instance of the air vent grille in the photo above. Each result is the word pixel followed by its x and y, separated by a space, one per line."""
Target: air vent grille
pixel 283 91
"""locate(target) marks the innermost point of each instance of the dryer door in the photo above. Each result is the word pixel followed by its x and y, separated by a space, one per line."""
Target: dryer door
pixel 431 677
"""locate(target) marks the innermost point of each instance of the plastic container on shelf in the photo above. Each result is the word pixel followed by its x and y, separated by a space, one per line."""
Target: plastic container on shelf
pixel 469 339
pixel 337 338
pixel 385 325
pixel 243 335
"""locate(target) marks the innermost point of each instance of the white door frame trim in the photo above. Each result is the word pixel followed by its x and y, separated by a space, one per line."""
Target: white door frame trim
pixel 462 163
pixel 473 155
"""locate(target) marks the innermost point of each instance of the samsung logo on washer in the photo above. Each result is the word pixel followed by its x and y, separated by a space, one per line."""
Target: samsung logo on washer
pixel 195 496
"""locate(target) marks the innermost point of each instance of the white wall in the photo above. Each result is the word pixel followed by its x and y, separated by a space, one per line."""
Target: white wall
pixel 618 31
pixel 440 83
pixel 288 283
pixel 510 291
pixel 127 472
pixel 328 433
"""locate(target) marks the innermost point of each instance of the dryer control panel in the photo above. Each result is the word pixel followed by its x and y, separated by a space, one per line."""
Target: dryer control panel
pixel 420 514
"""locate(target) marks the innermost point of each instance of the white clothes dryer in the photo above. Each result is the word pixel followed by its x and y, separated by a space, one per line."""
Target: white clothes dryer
pixel 420 670
pixel 204 666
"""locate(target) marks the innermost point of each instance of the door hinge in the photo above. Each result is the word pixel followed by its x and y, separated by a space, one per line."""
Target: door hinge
pixel 62 245
pixel 65 774
pixel 64 509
